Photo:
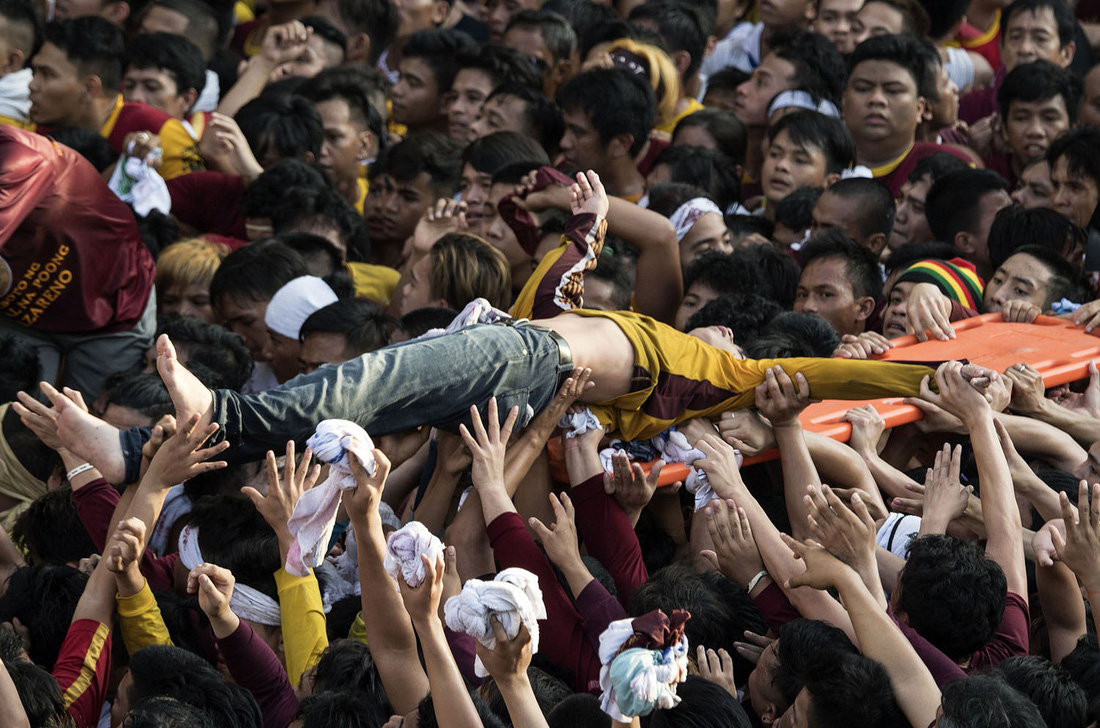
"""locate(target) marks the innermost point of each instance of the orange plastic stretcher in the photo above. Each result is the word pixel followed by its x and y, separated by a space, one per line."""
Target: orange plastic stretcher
pixel 1060 351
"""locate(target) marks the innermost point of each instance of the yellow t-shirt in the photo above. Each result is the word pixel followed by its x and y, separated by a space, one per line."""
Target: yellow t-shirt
pixel 374 282
pixel 669 126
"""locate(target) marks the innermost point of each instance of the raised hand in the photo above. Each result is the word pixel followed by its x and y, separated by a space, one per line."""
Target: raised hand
pixel 422 601
pixel 864 346
pixel 935 418
pixel 720 465
pixel 629 484
pixel 445 216
pixel 1028 390
pixel 511 657
pixel 560 540
pixel 1088 316
pixel 363 501
pixel 735 553
pixel 213 586
pixel 124 548
pixel 747 431
pixel 1023 312
pixel 487 449
pixel 779 400
pixel 451 452
pixel 956 396
pixel 183 456
pixel 752 646
pixel 283 43
pixel 927 309
pixel 579 382
pixel 161 432
pixel 848 533
pixel 283 493
pixel 42 420
pixel 1042 543
pixel 1088 403
pixel 1079 548
pixel 588 195
pixel 716 667
pixel 867 428
pixel 945 498
pixel 823 570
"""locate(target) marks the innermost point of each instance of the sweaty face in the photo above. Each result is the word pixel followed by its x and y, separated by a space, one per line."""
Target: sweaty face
pixel 834 21
pixel 875 19
pixel 474 189
pixel 1033 190
pixel 772 76
pixel 788 166
pixel 709 233
pixel 155 87
pixel 1020 278
pixel 245 318
pixel 824 290
pixel 1032 36
pixel 346 142
pixel 187 300
pixel 1030 127
pixel 1075 195
pixel 416 98
pixel 910 224
pixel 881 103
pixel 471 87
pixel 503 112
pixel 56 89
pixel 394 206
pixel 580 144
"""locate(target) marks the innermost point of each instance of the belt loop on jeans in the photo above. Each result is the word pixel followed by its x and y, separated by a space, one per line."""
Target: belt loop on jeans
pixel 565 356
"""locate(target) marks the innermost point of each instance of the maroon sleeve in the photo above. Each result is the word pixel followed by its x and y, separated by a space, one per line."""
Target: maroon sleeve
pixel 960 312
pixel 608 536
pixel 598 609
pixel 1011 638
pixel 561 635
pixel 83 669
pixel 464 650
pixel 25 180
pixel 254 667
pixel 210 202
pixel 942 667
pixel 775 607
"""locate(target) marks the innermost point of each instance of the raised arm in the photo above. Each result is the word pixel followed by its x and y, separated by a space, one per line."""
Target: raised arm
pixel 11 707
pixel 781 402
pixel 281 43
pixel 1029 399
pixel 508 663
pixel 1079 548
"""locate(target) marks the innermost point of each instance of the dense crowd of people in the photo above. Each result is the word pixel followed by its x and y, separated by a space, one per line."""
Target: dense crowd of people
pixel 446 363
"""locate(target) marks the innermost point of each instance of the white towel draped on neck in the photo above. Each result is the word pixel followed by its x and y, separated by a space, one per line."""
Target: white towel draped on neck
pixel 334 442
pixel 513 597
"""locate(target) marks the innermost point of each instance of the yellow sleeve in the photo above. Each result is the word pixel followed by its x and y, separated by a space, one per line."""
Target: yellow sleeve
pixel 303 620
pixel 358 630
pixel 181 151
pixel 140 621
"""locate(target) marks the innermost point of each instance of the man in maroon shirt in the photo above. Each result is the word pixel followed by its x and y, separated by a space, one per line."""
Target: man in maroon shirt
pixel 75 275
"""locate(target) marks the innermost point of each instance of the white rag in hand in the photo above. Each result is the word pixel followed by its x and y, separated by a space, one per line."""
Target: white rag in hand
pixel 403 550
pixel 315 514
pixel 578 423
pixel 679 450
pixel 477 311
pixel 138 184
pixel 513 597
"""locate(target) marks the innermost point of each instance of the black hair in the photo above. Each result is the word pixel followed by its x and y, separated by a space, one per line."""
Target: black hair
pixel 315 208
pixel 796 211
pixel 756 268
pixel 613 29
pixel 376 18
pixel 1065 280
pixel 322 27
pixel 986 701
pixel 146 394
pixel 206 28
pixel 438 48
pixel 557 34
pixel 11 646
pixel 20 370
pixel 793 334
pixel 862 268
pixel 666 197
pixel 745 315
pixel 803 645
pixel 1061 701
pixel 40 695
pixel 425 711
pixel 363 323
pixel 351 85
pixel 910 253
pixel 937 165
pixel 548 690
pixel 493 152
pixel 322 256
pixel 540 115
pixel 582 16
pixel 88 143
pixel 1038 81
pixel 614 102
pixel 215 355
pixel 1062 12
pixel 728 79
pixel 346 665
pixel 852 691
pixel 1017 227
pixel 916 21
pixel 164 712
pixel 1081 148
pixel 876 204
pixel 580 710
pixel 952 594
pixel 176 673
pixel 705 168
pixel 502 65
pixel 177 56
pixel 431 153
pixel 44 598
pixel 421 321
pixel 819 67
pixel 234 536
pixel 24 27
pixel 679 25
pixel 94 45
pixel 953 204
pixel 1082 665
pixel 340 710
pixel 703 704
pixel 741 226
pixel 50 530
pixel 727 130
pixel 617 270
pixel 255 272
pixel 902 50
pixel 268 192
pixel 826 133
pixel 281 126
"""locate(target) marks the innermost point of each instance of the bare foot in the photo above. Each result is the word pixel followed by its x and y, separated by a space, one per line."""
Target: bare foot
pixel 88 437
pixel 189 395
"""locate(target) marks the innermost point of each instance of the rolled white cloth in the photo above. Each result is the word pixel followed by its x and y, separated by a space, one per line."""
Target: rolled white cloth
pixel 246 602
pixel 477 311
pixel 637 681
pixel 513 597
pixel 691 212
pixel 403 550
pixel 578 423
pixel 138 184
pixel 295 302
pixel 334 442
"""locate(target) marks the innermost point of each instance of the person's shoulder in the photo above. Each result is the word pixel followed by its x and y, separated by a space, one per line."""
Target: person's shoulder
pixel 927 149
pixel 136 116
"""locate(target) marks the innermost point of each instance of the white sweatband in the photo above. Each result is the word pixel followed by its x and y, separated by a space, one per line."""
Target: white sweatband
pixel 78 470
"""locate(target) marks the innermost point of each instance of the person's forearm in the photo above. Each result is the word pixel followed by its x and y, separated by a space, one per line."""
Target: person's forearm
pixel 248 86
pixel 1063 608
pixel 453 706
pixel 576 574
pixel 494 501
pixel 798 472
pixel 69 462
pixel 888 478
pixel 436 503
pixel 130 581
pixel 98 600
pixel 1085 430
pixel 147 503
pixel 519 697
pixel 1000 512
pixel 582 463
pixel 1040 495
pixel 11 707
pixel 843 467
pixel 1035 438
pixel 659 287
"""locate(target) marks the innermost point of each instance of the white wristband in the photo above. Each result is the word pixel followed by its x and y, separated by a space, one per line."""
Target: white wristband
pixel 78 470
pixel 756 580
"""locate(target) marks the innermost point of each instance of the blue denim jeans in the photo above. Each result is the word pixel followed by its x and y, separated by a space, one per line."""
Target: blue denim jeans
pixel 428 382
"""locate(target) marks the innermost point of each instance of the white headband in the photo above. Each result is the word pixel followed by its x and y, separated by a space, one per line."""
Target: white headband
pixel 689 213
pixel 292 304
pixel 246 602
pixel 802 100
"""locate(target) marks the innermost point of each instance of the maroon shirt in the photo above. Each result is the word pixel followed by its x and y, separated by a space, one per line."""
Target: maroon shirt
pixel 900 174
pixel 71 257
